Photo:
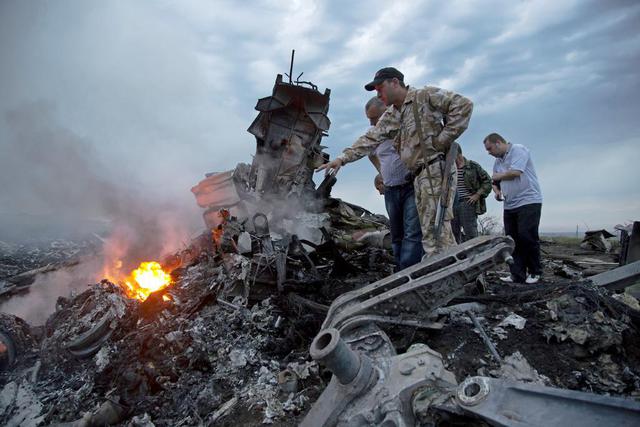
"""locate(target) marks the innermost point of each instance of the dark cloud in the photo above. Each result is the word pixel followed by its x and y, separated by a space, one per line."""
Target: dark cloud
pixel 164 91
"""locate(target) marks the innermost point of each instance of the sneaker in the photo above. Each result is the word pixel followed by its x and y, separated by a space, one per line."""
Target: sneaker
pixel 532 279
pixel 506 279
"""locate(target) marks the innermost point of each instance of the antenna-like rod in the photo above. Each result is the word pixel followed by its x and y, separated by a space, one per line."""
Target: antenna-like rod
pixel 293 52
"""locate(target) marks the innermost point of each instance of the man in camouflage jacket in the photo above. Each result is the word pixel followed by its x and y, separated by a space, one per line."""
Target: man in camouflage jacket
pixel 473 187
pixel 423 123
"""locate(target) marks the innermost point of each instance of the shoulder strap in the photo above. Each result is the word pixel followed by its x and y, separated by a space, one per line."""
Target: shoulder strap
pixel 425 157
pixel 416 118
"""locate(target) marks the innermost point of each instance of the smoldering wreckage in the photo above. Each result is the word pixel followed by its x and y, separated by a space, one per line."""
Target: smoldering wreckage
pixel 230 339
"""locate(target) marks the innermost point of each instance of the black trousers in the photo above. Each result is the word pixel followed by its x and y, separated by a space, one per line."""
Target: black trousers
pixel 522 225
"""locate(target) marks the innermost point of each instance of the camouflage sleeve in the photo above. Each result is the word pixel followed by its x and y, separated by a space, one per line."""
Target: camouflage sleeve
pixel 386 128
pixel 456 108
pixel 485 181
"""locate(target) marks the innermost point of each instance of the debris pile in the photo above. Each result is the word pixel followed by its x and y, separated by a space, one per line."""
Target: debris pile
pixel 597 240
pixel 184 361
pixel 566 330
pixel 231 340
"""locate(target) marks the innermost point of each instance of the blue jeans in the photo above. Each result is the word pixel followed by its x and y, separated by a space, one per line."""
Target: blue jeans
pixel 406 235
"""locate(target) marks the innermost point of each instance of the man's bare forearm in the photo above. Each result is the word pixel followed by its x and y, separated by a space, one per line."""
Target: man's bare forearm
pixel 507 176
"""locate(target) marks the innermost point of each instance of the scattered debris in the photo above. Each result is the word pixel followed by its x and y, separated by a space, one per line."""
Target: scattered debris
pixel 228 341
pixel 516 367
pixel 514 320
pixel 374 385
pixel 597 240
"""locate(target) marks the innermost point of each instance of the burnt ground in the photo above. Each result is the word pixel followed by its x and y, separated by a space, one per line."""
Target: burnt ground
pixel 180 362
pixel 563 361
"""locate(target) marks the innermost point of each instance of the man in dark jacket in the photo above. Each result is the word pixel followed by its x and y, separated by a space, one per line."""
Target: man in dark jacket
pixel 474 185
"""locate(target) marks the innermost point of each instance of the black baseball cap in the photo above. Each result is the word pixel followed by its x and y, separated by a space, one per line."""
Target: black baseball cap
pixel 382 75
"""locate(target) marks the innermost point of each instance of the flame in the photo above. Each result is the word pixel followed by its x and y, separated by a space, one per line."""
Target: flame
pixel 146 279
pixel 217 235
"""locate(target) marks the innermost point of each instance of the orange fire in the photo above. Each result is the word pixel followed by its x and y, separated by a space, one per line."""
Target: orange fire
pixel 146 279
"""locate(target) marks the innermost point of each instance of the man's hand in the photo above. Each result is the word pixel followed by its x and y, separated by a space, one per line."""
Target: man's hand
pixel 472 200
pixel 497 176
pixel 498 192
pixel 332 167
pixel 379 184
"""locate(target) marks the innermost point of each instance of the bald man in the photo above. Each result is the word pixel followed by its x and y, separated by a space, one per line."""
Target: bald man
pixel 399 196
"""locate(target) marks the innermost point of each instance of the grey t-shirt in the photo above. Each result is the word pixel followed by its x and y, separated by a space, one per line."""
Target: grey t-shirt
pixel 525 189
pixel 392 169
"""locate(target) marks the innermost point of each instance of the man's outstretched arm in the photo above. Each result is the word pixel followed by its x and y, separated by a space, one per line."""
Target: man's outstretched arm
pixel 387 127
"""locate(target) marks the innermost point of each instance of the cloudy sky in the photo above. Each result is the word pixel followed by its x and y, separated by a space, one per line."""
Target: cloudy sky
pixel 150 95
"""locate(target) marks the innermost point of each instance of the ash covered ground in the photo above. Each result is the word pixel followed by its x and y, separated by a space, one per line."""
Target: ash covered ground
pixel 229 346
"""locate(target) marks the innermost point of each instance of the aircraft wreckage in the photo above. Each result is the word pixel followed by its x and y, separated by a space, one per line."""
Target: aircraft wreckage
pixel 228 339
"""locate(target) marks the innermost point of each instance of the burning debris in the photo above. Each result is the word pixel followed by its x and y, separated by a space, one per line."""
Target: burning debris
pixel 146 279
pixel 222 332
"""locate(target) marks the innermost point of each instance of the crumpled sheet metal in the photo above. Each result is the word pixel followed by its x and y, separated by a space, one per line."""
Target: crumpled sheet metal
pixel 217 190
pixel 574 319
pixel 597 240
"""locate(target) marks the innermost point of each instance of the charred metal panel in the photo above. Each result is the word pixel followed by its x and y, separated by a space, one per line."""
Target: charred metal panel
pixel 216 190
pixel 288 130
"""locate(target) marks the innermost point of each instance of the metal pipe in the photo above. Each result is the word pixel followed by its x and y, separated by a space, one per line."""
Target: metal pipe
pixel 485 337
pixel 329 349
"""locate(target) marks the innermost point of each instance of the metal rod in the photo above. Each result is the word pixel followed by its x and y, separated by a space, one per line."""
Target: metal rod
pixel 293 52
pixel 485 337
